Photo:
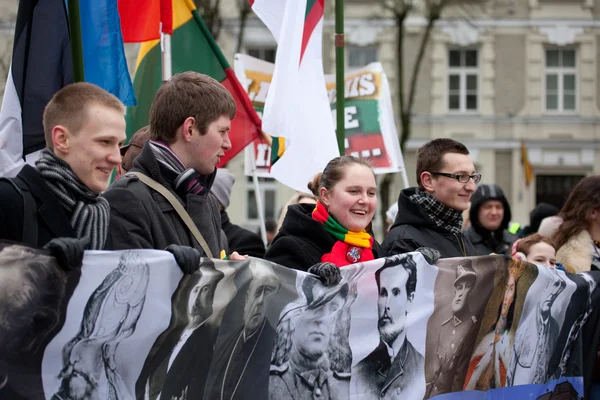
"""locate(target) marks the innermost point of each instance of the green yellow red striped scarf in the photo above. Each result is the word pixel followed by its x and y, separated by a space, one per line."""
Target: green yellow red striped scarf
pixel 346 250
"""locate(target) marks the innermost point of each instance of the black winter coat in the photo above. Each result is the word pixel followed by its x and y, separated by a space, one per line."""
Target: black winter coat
pixel 302 241
pixel 141 218
pixel 52 220
pixel 413 228
pixel 242 240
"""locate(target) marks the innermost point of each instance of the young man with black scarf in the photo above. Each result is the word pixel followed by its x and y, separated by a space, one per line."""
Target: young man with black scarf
pixel 430 215
pixel 84 127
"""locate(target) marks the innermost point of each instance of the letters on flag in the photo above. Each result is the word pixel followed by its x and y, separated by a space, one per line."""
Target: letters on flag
pixel 369 116
pixel 130 325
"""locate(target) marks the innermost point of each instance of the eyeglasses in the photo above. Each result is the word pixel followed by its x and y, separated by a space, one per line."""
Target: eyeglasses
pixel 462 178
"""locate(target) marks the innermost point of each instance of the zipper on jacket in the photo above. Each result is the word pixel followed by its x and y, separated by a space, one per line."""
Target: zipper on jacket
pixel 461 244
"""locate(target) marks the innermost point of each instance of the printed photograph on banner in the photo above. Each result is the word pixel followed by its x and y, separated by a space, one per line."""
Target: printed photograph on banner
pixel 370 124
pixel 578 309
pixel 492 355
pixel 312 356
pixel 536 338
pixel 396 300
pixel 462 289
pixel 173 369
pixel 112 319
pixel 32 288
pixel 247 331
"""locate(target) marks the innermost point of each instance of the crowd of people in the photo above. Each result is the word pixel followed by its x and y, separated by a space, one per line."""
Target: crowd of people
pixel 170 196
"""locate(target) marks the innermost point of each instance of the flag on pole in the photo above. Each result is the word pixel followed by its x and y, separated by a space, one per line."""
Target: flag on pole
pixel 192 49
pixel 41 65
pixel 141 20
pixel 104 60
pixel 527 167
pixel 297 112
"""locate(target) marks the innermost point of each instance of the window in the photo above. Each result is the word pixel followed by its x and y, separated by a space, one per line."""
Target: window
pixel 264 53
pixel 359 56
pixel 463 80
pixel 561 80
pixel 268 190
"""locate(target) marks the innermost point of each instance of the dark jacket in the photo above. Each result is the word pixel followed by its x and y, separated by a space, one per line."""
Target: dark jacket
pixel 302 241
pixel 52 220
pixel 536 216
pixel 413 228
pixel 141 218
pixel 484 240
pixel 242 240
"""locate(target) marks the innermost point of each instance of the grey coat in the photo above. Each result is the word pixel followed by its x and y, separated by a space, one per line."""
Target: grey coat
pixel 141 218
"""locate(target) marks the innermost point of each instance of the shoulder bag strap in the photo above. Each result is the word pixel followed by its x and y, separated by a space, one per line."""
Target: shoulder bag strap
pixel 178 207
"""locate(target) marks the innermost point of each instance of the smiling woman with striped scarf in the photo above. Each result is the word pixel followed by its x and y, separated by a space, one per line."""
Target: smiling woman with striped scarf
pixel 336 229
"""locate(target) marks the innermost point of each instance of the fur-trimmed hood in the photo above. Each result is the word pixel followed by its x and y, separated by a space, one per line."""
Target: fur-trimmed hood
pixel 576 254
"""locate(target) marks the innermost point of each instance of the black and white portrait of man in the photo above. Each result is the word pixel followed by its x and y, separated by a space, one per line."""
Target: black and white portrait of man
pixel 241 370
pixel 312 356
pixel 537 336
pixel 110 316
pixel 178 366
pixel 395 369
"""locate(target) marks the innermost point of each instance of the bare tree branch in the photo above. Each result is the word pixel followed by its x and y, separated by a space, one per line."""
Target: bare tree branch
pixel 245 10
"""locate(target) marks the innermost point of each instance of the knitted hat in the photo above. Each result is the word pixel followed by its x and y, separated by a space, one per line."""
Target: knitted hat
pixel 222 185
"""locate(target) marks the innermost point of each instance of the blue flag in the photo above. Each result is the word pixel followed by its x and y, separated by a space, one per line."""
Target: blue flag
pixel 103 53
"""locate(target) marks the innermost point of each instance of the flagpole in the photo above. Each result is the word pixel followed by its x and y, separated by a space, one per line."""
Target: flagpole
pixel 167 65
pixel 258 197
pixel 339 75
pixel 75 40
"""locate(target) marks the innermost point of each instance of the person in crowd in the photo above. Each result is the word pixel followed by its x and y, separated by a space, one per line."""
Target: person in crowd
pixel 133 149
pixel 490 216
pixel 578 236
pixel 84 128
pixel 541 211
pixel 241 240
pixel 271 228
pixel 298 198
pixel 190 119
pixel 430 215
pixel 536 249
pixel 466 217
pixel 335 229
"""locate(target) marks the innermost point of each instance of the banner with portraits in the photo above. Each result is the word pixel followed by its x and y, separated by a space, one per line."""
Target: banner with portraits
pixel 368 114
pixel 130 325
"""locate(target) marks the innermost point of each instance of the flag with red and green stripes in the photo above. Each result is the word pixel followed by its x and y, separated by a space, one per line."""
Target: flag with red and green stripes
pixel 192 49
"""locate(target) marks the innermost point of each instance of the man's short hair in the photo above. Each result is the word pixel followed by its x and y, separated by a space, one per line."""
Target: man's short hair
pixel 68 107
pixel 408 264
pixel 188 94
pixel 430 156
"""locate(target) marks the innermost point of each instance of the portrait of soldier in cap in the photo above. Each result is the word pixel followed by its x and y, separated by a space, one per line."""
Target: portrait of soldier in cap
pixel 306 358
pixel 394 369
pixel 457 332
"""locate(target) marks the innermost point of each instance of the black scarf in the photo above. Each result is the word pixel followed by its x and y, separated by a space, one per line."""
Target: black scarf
pixel 442 215
pixel 88 212
pixel 184 180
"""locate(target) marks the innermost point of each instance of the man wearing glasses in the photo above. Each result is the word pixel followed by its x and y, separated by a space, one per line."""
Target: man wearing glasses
pixel 430 215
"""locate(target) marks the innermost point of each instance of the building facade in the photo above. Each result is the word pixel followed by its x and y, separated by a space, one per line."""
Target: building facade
pixel 495 73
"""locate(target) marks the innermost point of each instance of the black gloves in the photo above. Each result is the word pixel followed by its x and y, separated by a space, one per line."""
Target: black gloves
pixel 187 257
pixel 327 272
pixel 67 251
pixel 431 255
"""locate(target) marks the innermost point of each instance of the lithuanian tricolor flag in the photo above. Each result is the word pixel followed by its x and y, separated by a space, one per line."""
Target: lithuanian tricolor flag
pixel 192 49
